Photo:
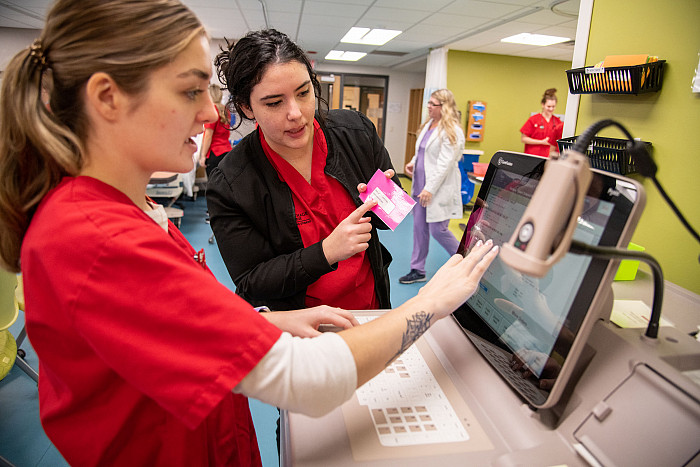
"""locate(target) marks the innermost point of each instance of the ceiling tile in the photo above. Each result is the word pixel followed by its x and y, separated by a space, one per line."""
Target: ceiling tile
pixel 440 20
pixel 339 26
pixel 421 5
pixel 319 24
pixel 381 13
pixel 480 9
pixel 334 10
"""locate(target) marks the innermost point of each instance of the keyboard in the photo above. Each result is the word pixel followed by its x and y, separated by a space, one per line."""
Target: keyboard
pixel 503 363
pixel 407 405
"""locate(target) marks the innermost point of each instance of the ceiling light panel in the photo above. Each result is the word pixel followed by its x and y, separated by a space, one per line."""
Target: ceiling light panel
pixel 369 36
pixel 526 38
pixel 344 56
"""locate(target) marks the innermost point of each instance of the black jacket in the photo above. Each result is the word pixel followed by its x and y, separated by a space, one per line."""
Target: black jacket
pixel 252 215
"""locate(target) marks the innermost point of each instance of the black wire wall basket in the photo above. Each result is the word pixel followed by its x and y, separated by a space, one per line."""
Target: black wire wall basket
pixel 609 154
pixel 636 79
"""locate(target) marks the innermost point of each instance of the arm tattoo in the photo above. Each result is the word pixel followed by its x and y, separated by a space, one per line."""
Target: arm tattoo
pixel 415 327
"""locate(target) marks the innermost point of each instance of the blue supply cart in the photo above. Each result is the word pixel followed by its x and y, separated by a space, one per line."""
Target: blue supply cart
pixel 465 165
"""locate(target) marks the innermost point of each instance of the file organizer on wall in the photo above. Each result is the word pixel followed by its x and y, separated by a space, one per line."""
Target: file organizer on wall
pixel 475 123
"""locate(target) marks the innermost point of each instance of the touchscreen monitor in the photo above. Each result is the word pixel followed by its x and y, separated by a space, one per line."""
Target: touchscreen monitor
pixel 533 331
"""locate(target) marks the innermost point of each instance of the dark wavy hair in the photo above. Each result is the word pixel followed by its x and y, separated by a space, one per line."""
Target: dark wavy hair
pixel 244 62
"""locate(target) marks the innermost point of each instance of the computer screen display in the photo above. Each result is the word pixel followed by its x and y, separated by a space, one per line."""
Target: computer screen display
pixel 533 330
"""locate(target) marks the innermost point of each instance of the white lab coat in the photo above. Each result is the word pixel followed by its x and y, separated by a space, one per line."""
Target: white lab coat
pixel 442 177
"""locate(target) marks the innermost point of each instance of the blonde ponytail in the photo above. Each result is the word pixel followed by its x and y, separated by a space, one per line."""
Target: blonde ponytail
pixel 36 151
pixel 217 95
pixel 42 139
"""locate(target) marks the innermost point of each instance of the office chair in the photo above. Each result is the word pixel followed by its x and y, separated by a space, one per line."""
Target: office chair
pixel 11 301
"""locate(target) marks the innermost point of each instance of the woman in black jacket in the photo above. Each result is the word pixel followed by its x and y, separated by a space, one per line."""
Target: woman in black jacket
pixel 284 202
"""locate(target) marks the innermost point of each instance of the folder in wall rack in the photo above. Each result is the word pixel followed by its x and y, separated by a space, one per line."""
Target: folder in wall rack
pixel 629 60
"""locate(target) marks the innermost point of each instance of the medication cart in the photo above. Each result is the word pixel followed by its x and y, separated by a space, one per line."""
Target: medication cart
pixel 635 404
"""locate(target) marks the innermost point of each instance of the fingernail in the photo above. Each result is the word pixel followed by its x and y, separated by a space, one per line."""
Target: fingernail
pixel 489 241
pixel 479 243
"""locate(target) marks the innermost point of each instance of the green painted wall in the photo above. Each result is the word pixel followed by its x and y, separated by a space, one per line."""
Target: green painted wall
pixel 669 119
pixel 512 88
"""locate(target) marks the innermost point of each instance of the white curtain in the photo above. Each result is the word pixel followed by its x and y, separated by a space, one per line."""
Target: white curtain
pixel 435 76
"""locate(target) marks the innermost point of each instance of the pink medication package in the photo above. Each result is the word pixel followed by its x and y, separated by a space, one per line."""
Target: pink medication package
pixel 393 204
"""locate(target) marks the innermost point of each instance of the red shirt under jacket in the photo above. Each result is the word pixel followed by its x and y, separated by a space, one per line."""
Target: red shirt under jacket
pixel 319 207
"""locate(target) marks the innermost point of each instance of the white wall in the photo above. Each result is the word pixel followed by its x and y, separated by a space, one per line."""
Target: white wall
pixel 400 85
pixel 13 40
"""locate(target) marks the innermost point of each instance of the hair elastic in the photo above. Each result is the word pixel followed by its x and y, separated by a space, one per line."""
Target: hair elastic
pixel 36 51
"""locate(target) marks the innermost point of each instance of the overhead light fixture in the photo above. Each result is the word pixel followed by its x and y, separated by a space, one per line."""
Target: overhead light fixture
pixel 345 56
pixel 535 39
pixel 369 36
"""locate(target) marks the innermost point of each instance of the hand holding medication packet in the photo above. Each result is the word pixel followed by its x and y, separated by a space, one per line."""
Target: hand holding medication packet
pixel 393 204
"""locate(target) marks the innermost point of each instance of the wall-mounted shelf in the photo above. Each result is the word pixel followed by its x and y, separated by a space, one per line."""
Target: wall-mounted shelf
pixel 634 79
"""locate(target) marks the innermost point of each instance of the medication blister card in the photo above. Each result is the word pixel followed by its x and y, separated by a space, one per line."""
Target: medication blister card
pixel 407 405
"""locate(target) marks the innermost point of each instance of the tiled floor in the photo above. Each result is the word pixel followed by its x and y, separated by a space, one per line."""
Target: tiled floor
pixel 22 440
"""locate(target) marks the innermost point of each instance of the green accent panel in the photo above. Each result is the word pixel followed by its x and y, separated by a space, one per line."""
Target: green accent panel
pixel 669 119
pixel 512 88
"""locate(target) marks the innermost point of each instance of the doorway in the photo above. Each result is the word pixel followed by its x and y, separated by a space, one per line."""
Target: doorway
pixel 364 93
pixel 415 106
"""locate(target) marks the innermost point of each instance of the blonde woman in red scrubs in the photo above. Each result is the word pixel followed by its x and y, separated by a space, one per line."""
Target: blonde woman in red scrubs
pixel 541 131
pixel 136 366
pixel 215 141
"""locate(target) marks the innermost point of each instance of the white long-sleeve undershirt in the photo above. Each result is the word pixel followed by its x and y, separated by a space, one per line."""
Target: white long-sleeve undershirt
pixel 308 376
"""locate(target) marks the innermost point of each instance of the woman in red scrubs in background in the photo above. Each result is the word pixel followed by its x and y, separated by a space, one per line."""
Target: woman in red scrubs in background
pixel 215 141
pixel 541 131
pixel 144 358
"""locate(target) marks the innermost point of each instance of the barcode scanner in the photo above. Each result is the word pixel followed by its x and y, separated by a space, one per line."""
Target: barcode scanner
pixel 544 233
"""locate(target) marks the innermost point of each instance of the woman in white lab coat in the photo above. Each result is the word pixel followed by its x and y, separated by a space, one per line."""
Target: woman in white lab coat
pixel 436 181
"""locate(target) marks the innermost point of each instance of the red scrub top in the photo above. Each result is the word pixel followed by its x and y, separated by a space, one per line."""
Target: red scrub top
pixel 220 143
pixel 537 127
pixel 139 346
pixel 319 207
